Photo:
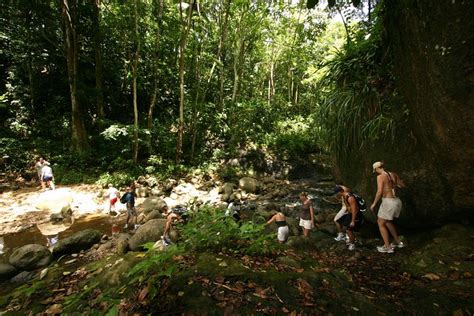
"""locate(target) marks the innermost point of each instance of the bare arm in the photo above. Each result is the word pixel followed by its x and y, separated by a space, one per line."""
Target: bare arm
pixel 378 195
pixel 311 212
pixel 271 219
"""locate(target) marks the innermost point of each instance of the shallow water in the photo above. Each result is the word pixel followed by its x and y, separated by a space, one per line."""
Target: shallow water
pixel 34 236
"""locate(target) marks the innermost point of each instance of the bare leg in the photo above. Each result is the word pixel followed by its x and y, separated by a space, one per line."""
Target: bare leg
pixel 393 231
pixel 306 232
pixel 384 232
pixel 351 236
pixel 339 227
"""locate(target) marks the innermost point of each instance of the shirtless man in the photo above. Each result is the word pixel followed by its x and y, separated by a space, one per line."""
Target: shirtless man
pixel 390 208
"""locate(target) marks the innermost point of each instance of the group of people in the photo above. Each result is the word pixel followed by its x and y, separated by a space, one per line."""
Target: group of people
pixel 350 218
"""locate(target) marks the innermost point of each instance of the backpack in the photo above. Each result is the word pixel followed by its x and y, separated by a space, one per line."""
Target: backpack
pixel 360 201
pixel 124 198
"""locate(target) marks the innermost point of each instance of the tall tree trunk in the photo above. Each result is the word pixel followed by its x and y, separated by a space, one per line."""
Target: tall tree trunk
pixel 69 16
pixel 182 47
pixel 154 94
pixel 99 74
pixel 221 54
pixel 30 62
pixel 135 75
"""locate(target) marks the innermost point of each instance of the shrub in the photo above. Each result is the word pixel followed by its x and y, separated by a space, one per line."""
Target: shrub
pixel 117 179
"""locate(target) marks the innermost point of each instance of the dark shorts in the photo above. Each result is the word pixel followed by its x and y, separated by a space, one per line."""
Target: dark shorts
pixel 46 179
pixel 131 210
pixel 346 220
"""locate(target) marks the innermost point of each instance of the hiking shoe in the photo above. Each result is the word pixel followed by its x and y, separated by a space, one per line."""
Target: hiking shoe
pixel 136 226
pixel 340 237
pixel 399 245
pixel 351 247
pixel 126 226
pixel 384 249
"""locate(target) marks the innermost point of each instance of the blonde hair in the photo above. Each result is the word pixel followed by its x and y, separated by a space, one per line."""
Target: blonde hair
pixel 305 194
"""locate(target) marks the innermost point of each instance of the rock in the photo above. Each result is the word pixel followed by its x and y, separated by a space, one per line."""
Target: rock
pixel 249 185
pixel 151 231
pixel 294 225
pixel 77 242
pixel 156 192
pixel 23 277
pixel 155 214
pixel 118 271
pixel 105 247
pixel 7 271
pixel 122 244
pixel 226 190
pixel 153 203
pixel 143 192
pixel 30 257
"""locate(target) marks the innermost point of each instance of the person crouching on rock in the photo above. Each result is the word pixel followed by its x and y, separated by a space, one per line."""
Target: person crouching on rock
pixel 341 235
pixel 129 199
pixel 171 217
pixel 353 219
pixel 283 229
pixel 306 214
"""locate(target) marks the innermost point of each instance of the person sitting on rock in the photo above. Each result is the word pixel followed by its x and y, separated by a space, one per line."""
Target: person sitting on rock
pixel 341 235
pixel 283 230
pixel 306 214
pixel 353 219
pixel 129 199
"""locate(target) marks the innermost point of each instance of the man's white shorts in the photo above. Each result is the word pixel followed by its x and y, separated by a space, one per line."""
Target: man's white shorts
pixel 283 233
pixel 306 224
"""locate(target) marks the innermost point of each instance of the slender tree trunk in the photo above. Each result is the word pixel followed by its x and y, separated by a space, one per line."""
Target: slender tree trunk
pixel 99 74
pixel 30 63
pixel 135 75
pixel 69 16
pixel 182 47
pixel 221 54
pixel 154 95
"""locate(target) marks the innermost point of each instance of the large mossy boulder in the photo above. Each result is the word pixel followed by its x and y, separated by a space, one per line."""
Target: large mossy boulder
pixel 30 257
pixel 79 241
pixel 7 271
pixel 151 231
pixel 432 144
pixel 152 204
pixel 249 185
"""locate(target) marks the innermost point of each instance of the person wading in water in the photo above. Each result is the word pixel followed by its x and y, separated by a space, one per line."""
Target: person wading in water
pixel 390 207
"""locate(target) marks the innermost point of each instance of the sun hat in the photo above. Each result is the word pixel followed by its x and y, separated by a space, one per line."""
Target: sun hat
pixel 376 165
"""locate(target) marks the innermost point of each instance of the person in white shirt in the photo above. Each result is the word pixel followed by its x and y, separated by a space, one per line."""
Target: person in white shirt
pixel 47 177
pixel 112 195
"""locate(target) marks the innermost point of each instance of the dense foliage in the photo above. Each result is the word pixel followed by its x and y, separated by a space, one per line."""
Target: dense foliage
pixel 138 86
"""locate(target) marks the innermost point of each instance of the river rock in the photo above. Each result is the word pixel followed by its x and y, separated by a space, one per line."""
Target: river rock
pixel 122 244
pixel 143 192
pixel 30 257
pixel 249 185
pixel 153 203
pixel 151 231
pixel 153 215
pixel 23 277
pixel 7 271
pixel 77 242
pixel 226 189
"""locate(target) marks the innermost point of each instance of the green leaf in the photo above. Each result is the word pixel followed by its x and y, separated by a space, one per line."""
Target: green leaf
pixel 331 3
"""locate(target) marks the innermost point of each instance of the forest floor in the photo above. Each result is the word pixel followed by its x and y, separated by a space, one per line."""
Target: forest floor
pixel 433 275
